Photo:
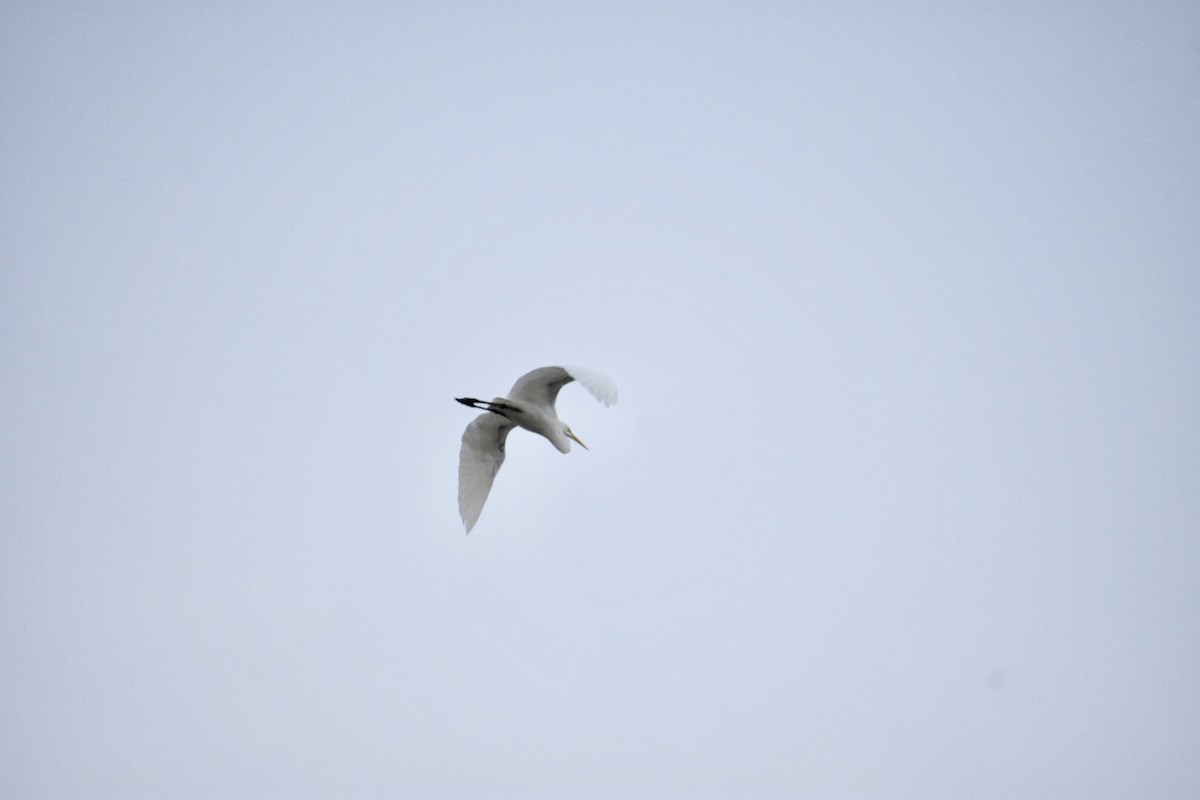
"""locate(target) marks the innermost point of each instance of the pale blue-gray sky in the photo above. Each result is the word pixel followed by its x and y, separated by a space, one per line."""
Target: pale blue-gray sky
pixel 901 499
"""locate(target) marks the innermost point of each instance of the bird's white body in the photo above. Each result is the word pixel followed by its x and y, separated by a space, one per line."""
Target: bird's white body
pixel 542 420
pixel 529 405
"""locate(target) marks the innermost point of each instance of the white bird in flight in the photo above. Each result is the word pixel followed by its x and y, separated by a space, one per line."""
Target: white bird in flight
pixel 530 405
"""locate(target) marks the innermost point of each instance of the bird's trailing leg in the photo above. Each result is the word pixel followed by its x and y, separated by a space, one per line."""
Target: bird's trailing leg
pixel 484 405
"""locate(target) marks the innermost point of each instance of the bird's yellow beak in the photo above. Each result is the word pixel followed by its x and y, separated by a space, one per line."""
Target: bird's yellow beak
pixel 571 435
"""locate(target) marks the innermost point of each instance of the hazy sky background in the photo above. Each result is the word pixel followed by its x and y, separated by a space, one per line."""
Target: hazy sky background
pixel 901 498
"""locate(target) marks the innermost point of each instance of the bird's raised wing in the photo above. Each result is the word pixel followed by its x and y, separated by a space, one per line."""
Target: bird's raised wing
pixel 479 460
pixel 541 385
pixel 600 385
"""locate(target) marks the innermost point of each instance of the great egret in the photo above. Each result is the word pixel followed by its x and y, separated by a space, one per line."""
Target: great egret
pixel 530 405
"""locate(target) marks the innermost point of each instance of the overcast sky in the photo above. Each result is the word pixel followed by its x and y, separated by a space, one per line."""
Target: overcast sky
pixel 901 498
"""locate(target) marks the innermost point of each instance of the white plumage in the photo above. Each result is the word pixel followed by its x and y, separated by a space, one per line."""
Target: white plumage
pixel 530 405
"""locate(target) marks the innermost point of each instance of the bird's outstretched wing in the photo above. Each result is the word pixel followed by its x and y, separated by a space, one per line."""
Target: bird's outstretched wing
pixel 541 385
pixel 479 460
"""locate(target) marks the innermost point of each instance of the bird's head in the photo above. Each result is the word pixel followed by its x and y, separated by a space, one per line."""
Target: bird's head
pixel 570 434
